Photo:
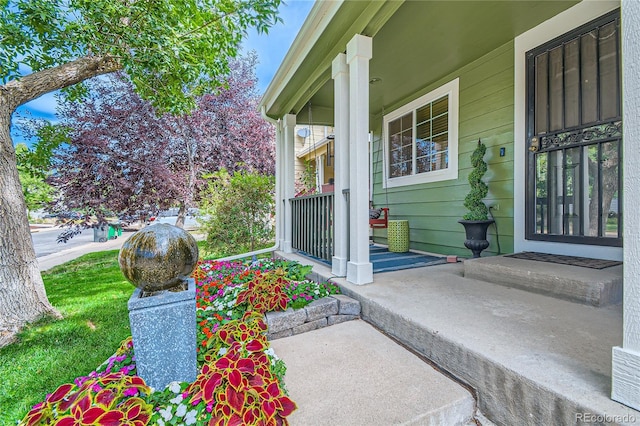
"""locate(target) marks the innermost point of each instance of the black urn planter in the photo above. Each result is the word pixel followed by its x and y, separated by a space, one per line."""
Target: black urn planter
pixel 476 231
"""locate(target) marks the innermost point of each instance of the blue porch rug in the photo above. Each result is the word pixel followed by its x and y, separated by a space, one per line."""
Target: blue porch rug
pixel 386 261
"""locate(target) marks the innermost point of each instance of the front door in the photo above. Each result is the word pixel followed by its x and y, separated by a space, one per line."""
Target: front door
pixel 574 136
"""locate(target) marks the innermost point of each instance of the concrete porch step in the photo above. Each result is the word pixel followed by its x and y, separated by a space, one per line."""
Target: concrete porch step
pixel 351 374
pixel 531 359
pixel 596 287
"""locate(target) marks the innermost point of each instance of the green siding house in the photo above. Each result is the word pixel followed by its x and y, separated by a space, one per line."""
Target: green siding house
pixel 418 83
pixel 411 86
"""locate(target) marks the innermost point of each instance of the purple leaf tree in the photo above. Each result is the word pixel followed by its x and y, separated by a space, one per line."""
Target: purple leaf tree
pixel 125 159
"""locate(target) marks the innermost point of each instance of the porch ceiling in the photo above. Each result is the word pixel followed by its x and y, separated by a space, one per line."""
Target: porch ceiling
pixel 415 43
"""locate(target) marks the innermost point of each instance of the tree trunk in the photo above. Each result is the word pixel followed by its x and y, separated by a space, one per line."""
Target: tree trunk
pixel 22 294
pixel 182 212
pixel 185 203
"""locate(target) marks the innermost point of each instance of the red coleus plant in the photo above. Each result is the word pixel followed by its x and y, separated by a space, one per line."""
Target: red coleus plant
pixel 240 389
pixel 265 293
pixel 105 400
pixel 249 328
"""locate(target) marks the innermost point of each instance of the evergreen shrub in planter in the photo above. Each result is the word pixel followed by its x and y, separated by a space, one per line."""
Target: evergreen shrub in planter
pixel 476 220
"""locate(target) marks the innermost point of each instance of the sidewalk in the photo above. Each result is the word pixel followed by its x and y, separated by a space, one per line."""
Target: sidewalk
pixel 49 261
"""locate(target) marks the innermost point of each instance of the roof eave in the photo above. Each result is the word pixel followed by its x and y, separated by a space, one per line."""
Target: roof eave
pixel 317 21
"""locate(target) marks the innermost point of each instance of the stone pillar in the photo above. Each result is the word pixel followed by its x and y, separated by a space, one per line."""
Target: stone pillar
pixel 625 386
pixel 340 74
pixel 163 327
pixel 289 178
pixel 359 52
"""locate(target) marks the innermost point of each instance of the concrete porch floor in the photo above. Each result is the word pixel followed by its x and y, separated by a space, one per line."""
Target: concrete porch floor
pixel 532 359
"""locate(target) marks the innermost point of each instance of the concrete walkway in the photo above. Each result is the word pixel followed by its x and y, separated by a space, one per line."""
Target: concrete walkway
pixel 532 359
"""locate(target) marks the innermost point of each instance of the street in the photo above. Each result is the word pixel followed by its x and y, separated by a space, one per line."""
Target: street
pixel 44 240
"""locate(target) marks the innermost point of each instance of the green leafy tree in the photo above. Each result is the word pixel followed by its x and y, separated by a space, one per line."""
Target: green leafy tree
pixel 237 211
pixel 172 51
pixel 37 193
pixel 34 164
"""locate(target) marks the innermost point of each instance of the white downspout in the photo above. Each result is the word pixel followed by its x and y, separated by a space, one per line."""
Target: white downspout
pixel 278 195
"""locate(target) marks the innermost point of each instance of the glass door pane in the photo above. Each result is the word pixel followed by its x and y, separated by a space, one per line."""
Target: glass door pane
pixel 608 67
pixel 591 224
pixel 555 185
pixel 542 210
pixel 609 166
pixel 589 78
pixel 572 199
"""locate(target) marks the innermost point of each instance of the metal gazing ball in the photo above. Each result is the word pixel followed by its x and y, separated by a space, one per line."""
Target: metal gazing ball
pixel 158 257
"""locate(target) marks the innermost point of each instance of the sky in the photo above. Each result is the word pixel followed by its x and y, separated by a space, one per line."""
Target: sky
pixel 271 49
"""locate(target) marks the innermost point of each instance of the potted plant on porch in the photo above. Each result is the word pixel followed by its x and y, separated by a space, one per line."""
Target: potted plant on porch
pixel 476 220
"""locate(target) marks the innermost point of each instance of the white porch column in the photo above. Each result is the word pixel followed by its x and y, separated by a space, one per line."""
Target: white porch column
pixel 625 386
pixel 279 184
pixel 289 177
pixel 359 268
pixel 340 74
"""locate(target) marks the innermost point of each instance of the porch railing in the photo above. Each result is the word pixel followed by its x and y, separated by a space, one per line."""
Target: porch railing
pixel 312 221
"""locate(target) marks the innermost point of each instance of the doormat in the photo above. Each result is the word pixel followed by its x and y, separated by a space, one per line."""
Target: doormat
pixel 583 262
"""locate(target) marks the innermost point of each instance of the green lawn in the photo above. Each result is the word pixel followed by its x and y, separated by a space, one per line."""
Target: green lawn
pixel 92 295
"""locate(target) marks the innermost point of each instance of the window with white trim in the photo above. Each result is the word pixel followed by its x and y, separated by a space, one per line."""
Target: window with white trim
pixel 421 139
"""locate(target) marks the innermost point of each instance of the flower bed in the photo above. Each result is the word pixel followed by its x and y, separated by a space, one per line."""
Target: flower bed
pixel 240 378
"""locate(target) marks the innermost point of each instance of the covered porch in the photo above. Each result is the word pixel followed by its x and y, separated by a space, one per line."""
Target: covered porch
pixel 533 359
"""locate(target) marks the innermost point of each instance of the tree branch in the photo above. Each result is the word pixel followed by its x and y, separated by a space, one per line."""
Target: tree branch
pixel 32 86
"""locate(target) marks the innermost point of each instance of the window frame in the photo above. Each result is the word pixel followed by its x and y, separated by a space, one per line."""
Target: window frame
pixel 451 89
